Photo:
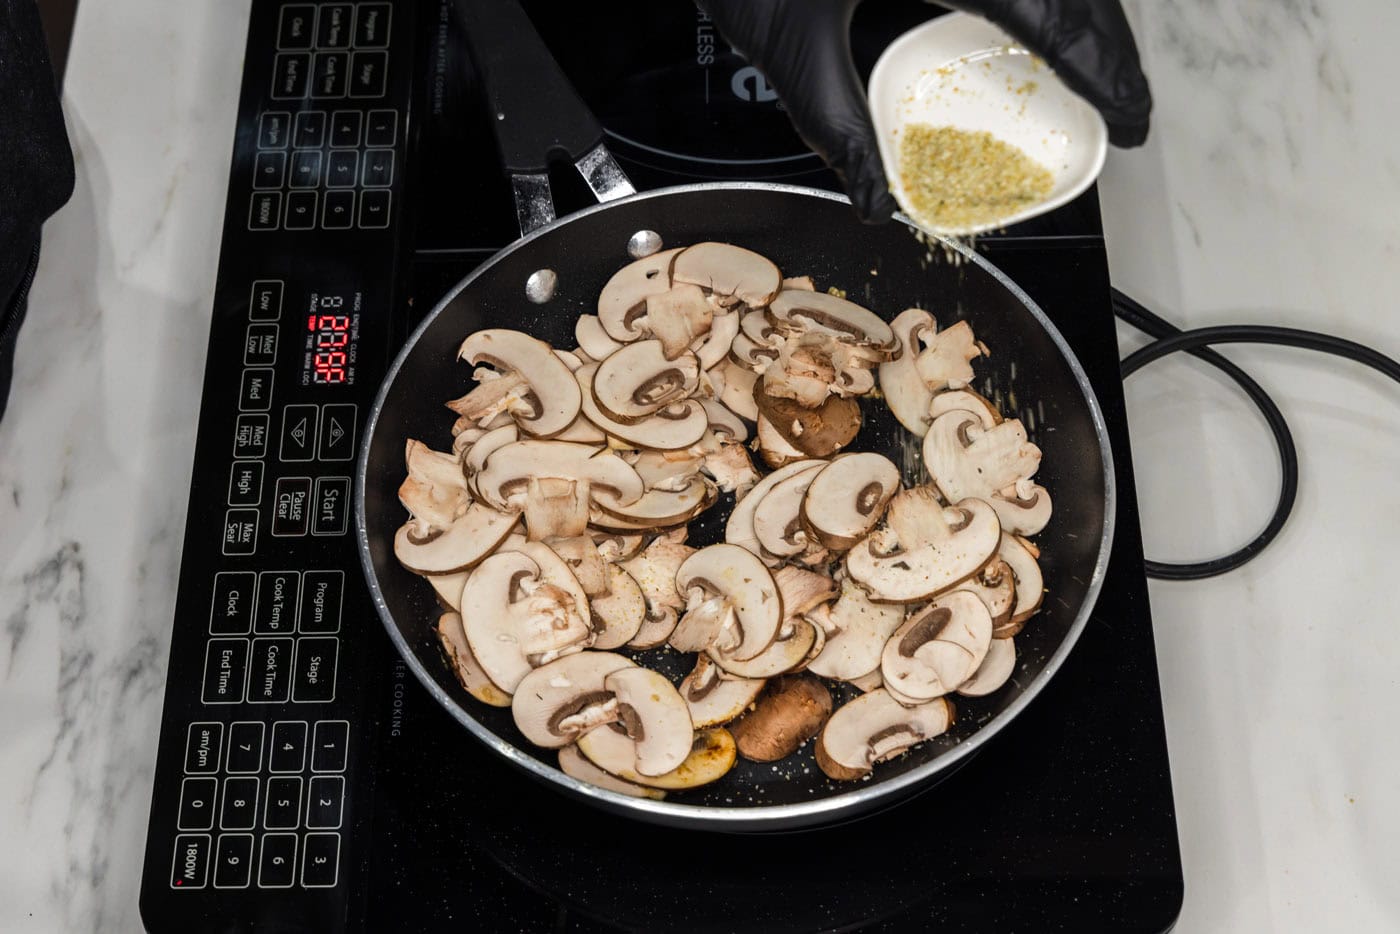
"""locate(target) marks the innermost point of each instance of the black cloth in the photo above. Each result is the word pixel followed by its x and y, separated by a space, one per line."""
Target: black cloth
pixel 36 165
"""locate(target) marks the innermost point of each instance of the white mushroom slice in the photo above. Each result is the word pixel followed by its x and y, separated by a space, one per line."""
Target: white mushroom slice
pixel 557 703
pixel 994 671
pixel 739 529
pixel 800 282
pixel 995 585
pixel 510 614
pixel 618 614
pixel 874 728
pixel 581 555
pixel 674 427
pixel 737 394
pixel 776 450
pixel 654 570
pixel 754 325
pixel 582 431
pixel 937 648
pixel 659 508
pixel 656 628
pixel 728 272
pixel 902 699
pixel 776 518
pixel 724 423
pixel 967 400
pixel 504 480
pixel 861 630
pixel 900 381
pixel 704 619
pixel 714 698
pixel 494 400
pixel 489 443
pixel 795 310
pixel 964 459
pixel 712 754
pixel 802 591
pixel 748 354
pixel 448 588
pixel 623 300
pixel 463 544
pixel 712 348
pixel 616 547
pixel 469 672
pixel 848 497
pixel 912 560
pixel 947 363
pixel 731 468
pixel 554 570
pixel 553 399
pixel 555 508
pixel 575 765
pixel 1022 514
pixel 677 317
pixel 1021 555
pixel 593 340
pixel 869 681
pixel 639 380
pixel 570 359
pixel 738 576
pixel 655 717
pixel 782 656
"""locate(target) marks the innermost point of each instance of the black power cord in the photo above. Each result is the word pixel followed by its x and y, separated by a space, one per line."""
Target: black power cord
pixel 1169 339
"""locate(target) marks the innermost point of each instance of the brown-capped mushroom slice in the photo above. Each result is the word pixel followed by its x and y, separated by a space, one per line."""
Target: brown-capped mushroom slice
pixel 803 372
pixel 967 400
pixel 557 703
pixel 731 273
pixel 791 710
pixel 937 648
pixel 639 380
pixel 995 670
pixel 847 498
pixel 677 317
pixel 995 585
pixel 623 300
pixel 1021 556
pixel 776 519
pixel 553 398
pixel 616 547
pixel 658 508
pixel 798 310
pixel 655 570
pixel 731 468
pixel 463 544
pixel 504 479
pixel 575 765
pixel 817 432
pixel 581 555
pixel 1023 508
pixel 475 459
pixel 925 549
pixel 739 529
pixel 899 698
pixel 873 728
pixel 747 354
pixel 593 339
pixel 737 394
pixel 448 588
pixel 712 348
pixel 785 654
pixel 671 428
pixel 800 282
pixel 947 363
pixel 469 672
pixel 744 582
pixel 964 459
pixel 723 423
pixel 555 508
pixel 654 716
pixel 870 681
pixel 705 617
pixel 583 431
pixel 712 754
pixel 618 614
pixel 861 629
pixel 774 448
pixel 715 698
pixel 505 622
pixel 802 591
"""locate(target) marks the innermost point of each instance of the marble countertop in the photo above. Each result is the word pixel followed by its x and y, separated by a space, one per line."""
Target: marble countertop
pixel 1267 194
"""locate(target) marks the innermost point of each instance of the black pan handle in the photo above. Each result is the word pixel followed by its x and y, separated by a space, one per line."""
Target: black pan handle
pixel 537 113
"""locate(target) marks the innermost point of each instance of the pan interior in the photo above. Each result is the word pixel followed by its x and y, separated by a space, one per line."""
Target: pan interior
pixel 883 268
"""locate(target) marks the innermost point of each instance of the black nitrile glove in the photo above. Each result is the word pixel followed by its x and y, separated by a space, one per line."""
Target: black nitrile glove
pixel 804 49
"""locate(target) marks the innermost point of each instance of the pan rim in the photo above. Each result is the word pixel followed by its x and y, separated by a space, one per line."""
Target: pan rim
pixel 762 817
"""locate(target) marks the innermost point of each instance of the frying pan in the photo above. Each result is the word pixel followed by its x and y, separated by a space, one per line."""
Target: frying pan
pixel 1031 372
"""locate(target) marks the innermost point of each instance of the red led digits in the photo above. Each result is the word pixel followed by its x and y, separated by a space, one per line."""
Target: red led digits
pixel 332 332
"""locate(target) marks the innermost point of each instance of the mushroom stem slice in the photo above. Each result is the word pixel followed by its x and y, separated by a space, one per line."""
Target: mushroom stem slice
pixel 944 552
pixel 937 648
pixel 702 624
pixel 712 754
pixel 655 717
pixel 575 765
pixel 557 702
pixel 966 460
pixel 874 728
pixel 555 508
pixel 743 581
pixel 677 317
pixel 861 630
pixel 714 698
pixel 553 393
pixel 469 671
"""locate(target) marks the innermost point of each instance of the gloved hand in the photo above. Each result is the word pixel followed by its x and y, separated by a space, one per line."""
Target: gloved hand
pixel 804 49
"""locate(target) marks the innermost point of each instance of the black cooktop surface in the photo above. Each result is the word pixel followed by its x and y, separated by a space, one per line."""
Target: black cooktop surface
pixel 306 782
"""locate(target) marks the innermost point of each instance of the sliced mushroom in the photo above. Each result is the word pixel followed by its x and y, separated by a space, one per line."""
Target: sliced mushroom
pixel 774 448
pixel 583 431
pixel 640 380
pixel 791 710
pixel 1022 512
pixel 723 423
pixel 800 310
pixel 712 754
pixel 655 570
pixel 739 529
pixel 800 282
pixel 947 363
pixel 874 728
pixel 671 428
pixel 678 317
pixel 869 681
pixel 848 497
pixel 968 400
pixel 995 585
pixel 462 545
pixel 715 698
pixel 937 648
pixel 737 394
pixel 802 591
pixel 659 508
pixel 776 518
pixel 448 588
pixel 712 348
pixel 623 300
pixel 553 397
pixel 748 354
pixel 995 670
pixel 557 703
pixel 744 583
pixel 575 765
pixel 618 614
pixel 504 479
pixel 900 381
pixel 730 273
pixel 785 654
pixel 804 371
pixel 555 508
pixel 817 432
pixel 475 459
pixel 582 557
pixel 964 459
pixel 861 629
pixel 469 672
pixel 1021 556
pixel 731 468
pixel 926 548
pixel 654 716
pixel 435 491
pixel 593 339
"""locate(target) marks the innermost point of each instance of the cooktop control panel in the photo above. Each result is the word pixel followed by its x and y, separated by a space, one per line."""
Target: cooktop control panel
pixel 265 702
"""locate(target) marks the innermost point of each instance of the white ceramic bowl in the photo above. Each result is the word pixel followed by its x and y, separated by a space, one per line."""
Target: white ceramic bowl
pixel 961 71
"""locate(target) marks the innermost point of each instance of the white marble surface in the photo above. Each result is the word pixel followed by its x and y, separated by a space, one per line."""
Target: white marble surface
pixel 1267 194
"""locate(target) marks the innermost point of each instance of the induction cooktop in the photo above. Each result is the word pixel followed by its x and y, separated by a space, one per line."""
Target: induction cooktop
pixel 305 782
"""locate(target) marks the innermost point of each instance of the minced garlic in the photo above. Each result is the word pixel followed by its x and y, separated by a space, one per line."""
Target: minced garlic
pixel 955 179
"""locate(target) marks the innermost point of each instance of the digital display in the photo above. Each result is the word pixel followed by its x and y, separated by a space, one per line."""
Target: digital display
pixel 331 330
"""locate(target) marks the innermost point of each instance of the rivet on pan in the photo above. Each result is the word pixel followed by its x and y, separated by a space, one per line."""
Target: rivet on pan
pixel 643 243
pixel 539 288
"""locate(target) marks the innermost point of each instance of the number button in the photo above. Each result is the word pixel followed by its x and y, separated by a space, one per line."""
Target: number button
pixel 268 169
pixel 197 803
pixel 245 741
pixel 338 209
pixel 382 128
pixel 374 209
pixel 325 802
pixel 320 860
pixel 379 168
pixel 277 867
pixel 234 863
pixel 301 206
pixel 309 131
pixel 288 746
pixel 342 168
pixel 283 808
pixel 240 810
pixel 345 129
pixel 330 746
